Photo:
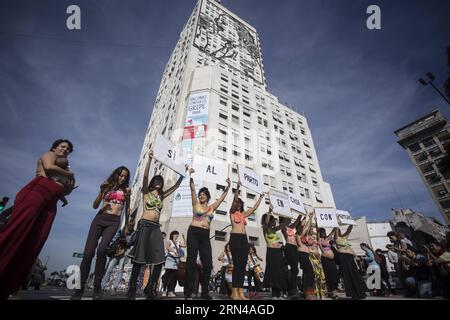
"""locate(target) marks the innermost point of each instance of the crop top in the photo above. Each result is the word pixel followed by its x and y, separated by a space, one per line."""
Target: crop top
pixel 325 245
pixel 239 217
pixel 117 197
pixel 153 202
pixel 272 237
pixel 199 214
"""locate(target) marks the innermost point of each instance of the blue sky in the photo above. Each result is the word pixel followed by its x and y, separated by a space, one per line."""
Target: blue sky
pixel 96 86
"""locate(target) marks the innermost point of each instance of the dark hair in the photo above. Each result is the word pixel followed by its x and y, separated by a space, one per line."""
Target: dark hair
pixel 379 251
pixel 411 248
pixel 264 217
pixel 156 179
pixel 5 198
pixel 206 192
pixel 173 233
pixel 240 206
pixel 59 141
pixel 392 234
pixel 112 179
pixel 438 244
pixel 322 230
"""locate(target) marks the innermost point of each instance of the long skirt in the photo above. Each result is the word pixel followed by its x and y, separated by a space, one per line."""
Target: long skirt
pixel 25 234
pixel 353 282
pixel 275 275
pixel 320 284
pixel 149 246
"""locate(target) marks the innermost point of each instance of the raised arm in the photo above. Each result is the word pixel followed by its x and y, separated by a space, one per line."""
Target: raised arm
pixel 192 185
pixel 296 222
pixel 331 235
pixel 169 191
pixel 349 229
pixel 216 204
pixel 266 221
pixel 250 211
pixel 146 171
pixel 307 226
pixel 235 198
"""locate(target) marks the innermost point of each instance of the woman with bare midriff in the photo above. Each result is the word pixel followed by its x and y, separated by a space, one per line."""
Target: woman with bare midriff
pixel 239 242
pixel 114 198
pixel 149 246
pixel 198 242
pixel 34 210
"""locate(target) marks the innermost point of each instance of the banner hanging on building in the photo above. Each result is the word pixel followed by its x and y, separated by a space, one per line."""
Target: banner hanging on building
pixel 169 154
pixel 296 203
pixel 196 124
pixel 250 179
pixel 326 217
pixel 211 170
pixel 280 203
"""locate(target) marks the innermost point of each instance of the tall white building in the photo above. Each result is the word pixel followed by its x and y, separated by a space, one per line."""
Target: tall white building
pixel 218 62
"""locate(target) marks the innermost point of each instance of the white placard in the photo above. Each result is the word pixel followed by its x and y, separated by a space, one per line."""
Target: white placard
pixel 250 179
pixel 280 203
pixel 296 203
pixel 210 170
pixel 166 152
pixel 326 217
pixel 345 218
pixel 182 200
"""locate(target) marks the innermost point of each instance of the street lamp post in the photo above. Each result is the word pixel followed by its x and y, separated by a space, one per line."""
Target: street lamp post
pixel 432 78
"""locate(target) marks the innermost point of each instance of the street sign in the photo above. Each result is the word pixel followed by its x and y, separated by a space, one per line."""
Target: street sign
pixel 78 255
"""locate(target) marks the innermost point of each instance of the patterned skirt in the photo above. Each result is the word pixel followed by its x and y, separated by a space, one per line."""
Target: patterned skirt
pixel 320 285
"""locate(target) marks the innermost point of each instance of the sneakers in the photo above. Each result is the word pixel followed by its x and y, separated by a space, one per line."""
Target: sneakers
pixel 97 294
pixel 78 294
pixel 171 294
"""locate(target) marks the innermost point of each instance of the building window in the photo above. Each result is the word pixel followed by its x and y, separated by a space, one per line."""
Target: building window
pixel 220 235
pixel 428 142
pixel 221 212
pixel 220 187
pixel 223 116
pixel 414 147
pixel 253 240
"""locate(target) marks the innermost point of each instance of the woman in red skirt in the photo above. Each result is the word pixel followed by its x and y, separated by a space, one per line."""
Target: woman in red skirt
pixel 32 217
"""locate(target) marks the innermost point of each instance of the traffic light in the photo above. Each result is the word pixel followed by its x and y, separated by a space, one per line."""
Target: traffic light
pixel 3 203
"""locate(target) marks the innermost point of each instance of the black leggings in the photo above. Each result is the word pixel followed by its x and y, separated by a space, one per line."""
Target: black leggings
pixel 151 284
pixel 308 278
pixel 290 252
pixel 105 226
pixel 198 242
pixel 239 251
pixel 171 279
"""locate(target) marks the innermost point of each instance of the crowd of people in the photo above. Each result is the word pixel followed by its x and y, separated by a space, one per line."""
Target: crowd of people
pixel 327 262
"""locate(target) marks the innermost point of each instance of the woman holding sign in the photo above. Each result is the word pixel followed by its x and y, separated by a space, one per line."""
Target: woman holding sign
pixel 198 237
pixel 290 250
pixel 353 282
pixel 149 246
pixel 308 278
pixel 275 274
pixel 239 242
pixel 328 263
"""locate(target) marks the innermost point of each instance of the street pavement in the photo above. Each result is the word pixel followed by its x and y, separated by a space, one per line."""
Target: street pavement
pixel 62 293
